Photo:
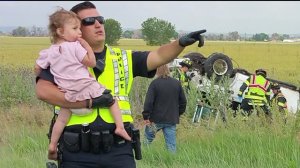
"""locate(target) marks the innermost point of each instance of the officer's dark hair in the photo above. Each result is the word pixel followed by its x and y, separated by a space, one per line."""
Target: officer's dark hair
pixel 81 6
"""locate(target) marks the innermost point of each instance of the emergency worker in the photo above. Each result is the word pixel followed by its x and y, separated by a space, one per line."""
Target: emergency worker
pixel 258 94
pixel 279 100
pixel 181 74
pixel 89 140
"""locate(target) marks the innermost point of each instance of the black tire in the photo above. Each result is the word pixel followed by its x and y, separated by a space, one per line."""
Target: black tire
pixel 197 61
pixel 218 64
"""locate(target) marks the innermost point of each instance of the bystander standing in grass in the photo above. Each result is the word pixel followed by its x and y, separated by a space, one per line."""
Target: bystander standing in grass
pixel 165 102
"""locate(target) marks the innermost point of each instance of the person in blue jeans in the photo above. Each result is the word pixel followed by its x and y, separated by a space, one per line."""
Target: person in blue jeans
pixel 164 103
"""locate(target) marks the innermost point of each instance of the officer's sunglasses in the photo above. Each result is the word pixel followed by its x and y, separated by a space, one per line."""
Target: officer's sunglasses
pixel 91 20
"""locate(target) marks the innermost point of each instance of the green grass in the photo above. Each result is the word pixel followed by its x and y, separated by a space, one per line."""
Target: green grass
pixel 23 143
pixel 16 86
pixel 246 145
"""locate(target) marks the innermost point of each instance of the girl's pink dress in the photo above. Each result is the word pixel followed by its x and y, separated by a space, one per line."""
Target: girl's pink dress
pixel 71 76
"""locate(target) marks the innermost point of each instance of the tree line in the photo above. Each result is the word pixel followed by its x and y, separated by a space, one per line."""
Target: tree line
pixel 154 31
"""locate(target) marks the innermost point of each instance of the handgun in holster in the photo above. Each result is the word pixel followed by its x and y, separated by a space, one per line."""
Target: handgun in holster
pixel 136 143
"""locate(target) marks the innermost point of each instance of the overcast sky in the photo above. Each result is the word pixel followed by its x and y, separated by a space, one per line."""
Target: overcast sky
pixel 215 16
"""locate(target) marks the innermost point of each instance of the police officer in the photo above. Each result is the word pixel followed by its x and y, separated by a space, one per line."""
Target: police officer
pixel 258 94
pixel 116 69
pixel 279 100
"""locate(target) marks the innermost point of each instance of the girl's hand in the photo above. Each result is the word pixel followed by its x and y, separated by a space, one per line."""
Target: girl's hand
pixel 84 43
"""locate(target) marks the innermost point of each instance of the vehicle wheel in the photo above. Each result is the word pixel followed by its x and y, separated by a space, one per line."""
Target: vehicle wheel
pixel 197 61
pixel 218 64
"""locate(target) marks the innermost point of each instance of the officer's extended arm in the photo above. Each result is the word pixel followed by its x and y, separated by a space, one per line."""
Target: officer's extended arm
pixel 168 52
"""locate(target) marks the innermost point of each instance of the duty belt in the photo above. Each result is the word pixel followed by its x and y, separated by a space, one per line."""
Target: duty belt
pixel 92 141
pixel 97 142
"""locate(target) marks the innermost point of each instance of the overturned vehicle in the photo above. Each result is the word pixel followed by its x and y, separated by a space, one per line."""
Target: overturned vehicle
pixel 218 65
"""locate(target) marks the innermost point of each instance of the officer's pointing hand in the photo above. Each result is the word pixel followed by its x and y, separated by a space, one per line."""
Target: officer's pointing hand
pixel 191 38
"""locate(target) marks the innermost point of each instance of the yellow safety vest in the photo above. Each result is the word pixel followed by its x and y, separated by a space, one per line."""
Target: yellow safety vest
pixel 182 78
pixel 279 103
pixel 118 77
pixel 257 88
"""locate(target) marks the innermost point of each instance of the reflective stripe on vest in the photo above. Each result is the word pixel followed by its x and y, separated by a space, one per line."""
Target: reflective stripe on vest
pixel 256 102
pixel 260 83
pixel 257 88
pixel 117 76
pixel 122 98
pixel 126 69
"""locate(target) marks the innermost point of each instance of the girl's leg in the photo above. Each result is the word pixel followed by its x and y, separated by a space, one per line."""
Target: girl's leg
pixel 62 120
pixel 120 130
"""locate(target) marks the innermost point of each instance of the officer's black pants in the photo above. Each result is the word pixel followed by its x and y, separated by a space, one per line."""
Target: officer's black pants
pixel 119 157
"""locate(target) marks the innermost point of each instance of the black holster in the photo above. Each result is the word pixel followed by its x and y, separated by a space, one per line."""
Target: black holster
pixel 95 142
pixel 136 143
pixel 85 141
pixel 71 141
pixel 107 141
pixel 85 138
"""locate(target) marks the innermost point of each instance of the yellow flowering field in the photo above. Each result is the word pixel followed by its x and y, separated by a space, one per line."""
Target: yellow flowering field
pixel 281 60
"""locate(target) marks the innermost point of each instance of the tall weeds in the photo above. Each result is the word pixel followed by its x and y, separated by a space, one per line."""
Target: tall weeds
pixel 16 86
pixel 213 143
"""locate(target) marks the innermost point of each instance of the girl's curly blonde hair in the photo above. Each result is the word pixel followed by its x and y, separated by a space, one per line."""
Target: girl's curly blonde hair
pixel 57 20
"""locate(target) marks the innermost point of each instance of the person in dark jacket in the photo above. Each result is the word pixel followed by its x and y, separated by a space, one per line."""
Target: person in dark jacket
pixel 165 102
